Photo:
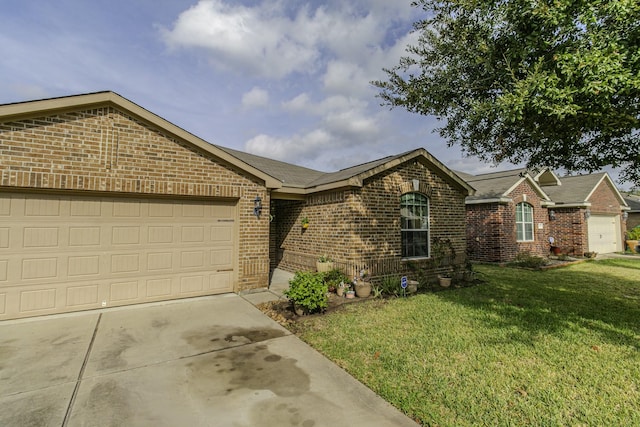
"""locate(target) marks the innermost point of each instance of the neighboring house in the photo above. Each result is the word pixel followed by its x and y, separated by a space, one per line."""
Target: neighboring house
pixel 633 200
pixel 520 210
pixel 103 203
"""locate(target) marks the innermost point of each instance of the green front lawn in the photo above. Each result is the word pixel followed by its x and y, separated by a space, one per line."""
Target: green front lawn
pixel 544 348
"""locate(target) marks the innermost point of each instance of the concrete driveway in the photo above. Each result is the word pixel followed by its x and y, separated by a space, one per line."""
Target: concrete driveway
pixel 214 361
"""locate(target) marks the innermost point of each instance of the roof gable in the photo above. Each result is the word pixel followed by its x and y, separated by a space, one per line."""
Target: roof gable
pixel 30 109
pixel 496 187
pixel 577 190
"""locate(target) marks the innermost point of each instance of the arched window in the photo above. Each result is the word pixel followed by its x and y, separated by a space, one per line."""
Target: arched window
pixel 524 222
pixel 414 211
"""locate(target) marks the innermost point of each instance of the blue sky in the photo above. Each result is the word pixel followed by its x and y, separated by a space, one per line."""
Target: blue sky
pixel 282 79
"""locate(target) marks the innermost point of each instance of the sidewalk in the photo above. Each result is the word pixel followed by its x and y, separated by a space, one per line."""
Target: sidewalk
pixel 279 283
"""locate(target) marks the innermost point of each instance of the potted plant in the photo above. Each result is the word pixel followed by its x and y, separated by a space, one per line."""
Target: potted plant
pixel 633 239
pixel 324 264
pixel 443 255
pixel 305 222
pixel 555 246
pixel 362 284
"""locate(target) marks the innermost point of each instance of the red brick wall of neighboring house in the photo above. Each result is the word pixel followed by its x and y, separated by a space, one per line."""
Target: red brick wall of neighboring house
pixel 361 226
pixel 491 228
pixel 569 229
pixel 540 245
pixel 108 151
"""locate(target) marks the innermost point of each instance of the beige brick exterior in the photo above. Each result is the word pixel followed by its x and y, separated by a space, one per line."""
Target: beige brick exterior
pixel 110 151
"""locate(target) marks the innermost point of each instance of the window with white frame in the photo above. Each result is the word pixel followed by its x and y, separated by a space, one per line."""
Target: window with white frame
pixel 414 211
pixel 524 222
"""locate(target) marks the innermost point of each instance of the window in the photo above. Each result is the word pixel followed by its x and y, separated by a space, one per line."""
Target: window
pixel 414 211
pixel 524 222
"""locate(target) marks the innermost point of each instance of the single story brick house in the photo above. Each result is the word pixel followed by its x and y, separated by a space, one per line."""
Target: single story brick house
pixel 530 211
pixel 103 203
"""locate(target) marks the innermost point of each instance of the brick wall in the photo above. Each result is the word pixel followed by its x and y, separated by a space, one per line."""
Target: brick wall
pixel 491 228
pixel 604 201
pixel 361 226
pixel 106 150
pixel 569 229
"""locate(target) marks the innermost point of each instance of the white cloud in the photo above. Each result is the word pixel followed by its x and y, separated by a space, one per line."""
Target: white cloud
pixel 257 39
pixel 299 147
pixel 256 97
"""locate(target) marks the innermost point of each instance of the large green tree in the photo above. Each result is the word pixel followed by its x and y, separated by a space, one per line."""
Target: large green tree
pixel 546 82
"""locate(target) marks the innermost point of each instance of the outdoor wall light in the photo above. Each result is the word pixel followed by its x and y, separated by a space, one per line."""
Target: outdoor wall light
pixel 625 215
pixel 257 206
pixel 587 214
pixel 552 214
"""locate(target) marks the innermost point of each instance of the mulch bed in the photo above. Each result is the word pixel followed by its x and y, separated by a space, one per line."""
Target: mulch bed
pixel 282 310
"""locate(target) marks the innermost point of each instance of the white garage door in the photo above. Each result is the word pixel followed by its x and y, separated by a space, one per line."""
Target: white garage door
pixel 604 234
pixel 69 253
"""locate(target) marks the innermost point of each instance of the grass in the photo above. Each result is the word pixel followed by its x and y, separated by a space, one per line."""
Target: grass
pixel 544 348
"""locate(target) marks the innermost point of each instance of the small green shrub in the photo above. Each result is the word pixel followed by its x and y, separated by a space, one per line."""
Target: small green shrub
pixel 308 291
pixel 526 260
pixel 333 278
pixel 390 285
pixel 634 233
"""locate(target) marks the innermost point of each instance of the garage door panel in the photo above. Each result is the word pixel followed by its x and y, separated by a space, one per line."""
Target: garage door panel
pixel 126 209
pixel 220 281
pixel 4 268
pixel 222 258
pixel 125 263
pixel 159 261
pixel 127 235
pixel 158 288
pixel 193 210
pixel 85 208
pixel 42 207
pixel 84 236
pixel 124 291
pixel 192 259
pixel 40 237
pixel 4 237
pixel 39 268
pixel 82 296
pixel 192 284
pixel 5 204
pixel 160 234
pixel 191 234
pixel 38 300
pixel 221 233
pixel 66 253
pixel 165 210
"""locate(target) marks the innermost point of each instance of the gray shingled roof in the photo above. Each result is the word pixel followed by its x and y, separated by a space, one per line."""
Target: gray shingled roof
pixel 633 201
pixel 291 175
pixel 574 189
pixel 297 176
pixel 492 185
pixel 354 171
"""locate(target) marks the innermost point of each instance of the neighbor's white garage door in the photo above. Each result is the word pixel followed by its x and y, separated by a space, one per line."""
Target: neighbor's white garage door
pixel 69 253
pixel 604 234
